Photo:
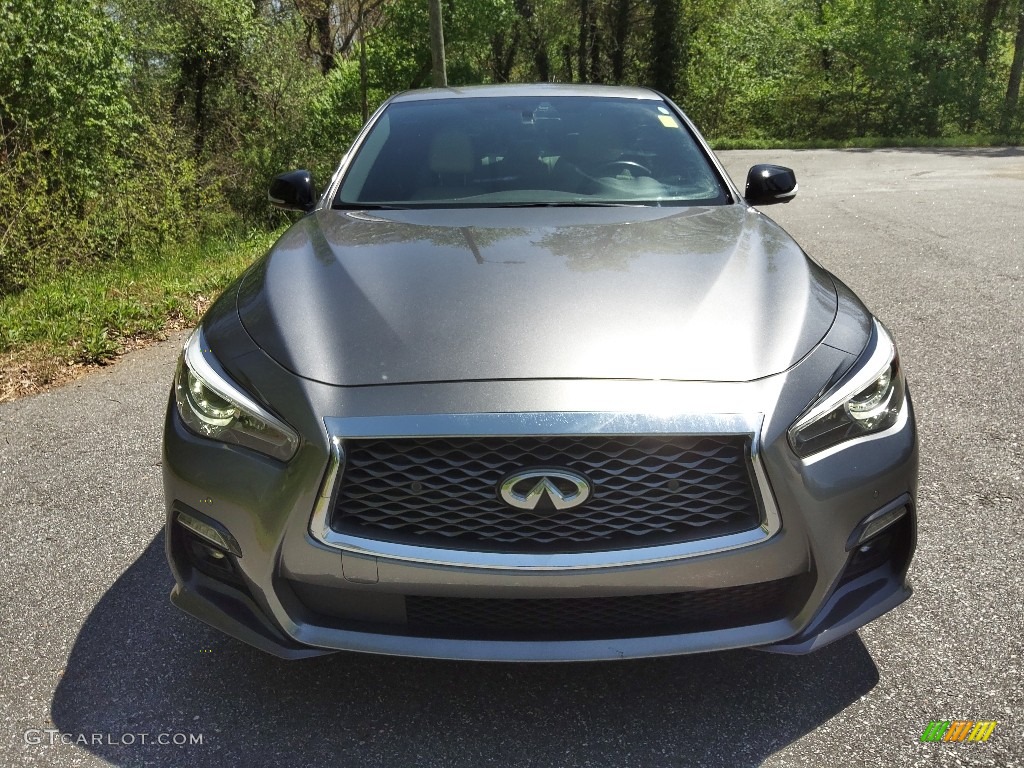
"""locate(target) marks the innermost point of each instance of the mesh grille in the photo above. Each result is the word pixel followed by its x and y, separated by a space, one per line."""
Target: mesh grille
pixel 443 492
pixel 605 617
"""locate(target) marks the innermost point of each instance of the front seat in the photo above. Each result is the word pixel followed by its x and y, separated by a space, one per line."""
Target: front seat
pixel 451 167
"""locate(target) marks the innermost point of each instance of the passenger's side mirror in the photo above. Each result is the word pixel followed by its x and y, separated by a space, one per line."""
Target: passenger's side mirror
pixel 769 184
pixel 293 191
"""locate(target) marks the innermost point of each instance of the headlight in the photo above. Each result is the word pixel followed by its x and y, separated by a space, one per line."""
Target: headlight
pixel 213 406
pixel 867 401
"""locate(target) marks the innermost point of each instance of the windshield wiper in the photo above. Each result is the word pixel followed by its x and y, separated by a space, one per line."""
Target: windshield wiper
pixel 469 204
pixel 570 204
pixel 368 207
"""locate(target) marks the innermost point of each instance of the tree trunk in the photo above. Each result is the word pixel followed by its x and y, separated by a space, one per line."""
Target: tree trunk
pixel 537 42
pixel 664 46
pixel 540 59
pixel 363 76
pixel 595 48
pixel 619 35
pixel 566 63
pixel 581 47
pixel 503 55
pixel 325 41
pixel 1016 70
pixel 989 14
pixel 439 71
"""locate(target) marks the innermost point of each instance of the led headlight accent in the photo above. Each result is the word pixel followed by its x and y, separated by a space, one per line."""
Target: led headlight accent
pixel 866 402
pixel 213 406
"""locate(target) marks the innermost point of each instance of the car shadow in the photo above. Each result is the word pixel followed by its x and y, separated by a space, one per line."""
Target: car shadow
pixel 139 666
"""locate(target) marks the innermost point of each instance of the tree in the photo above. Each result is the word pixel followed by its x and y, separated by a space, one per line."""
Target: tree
pixel 439 72
pixel 538 41
pixel 620 23
pixel 504 48
pixel 334 26
pixel 65 123
pixel 665 44
pixel 1016 70
pixel 62 88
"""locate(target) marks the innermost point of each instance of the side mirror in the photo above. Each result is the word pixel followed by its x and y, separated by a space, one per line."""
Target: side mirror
pixel 293 191
pixel 769 184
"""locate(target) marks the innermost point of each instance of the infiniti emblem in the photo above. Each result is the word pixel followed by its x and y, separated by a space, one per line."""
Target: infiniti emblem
pixel 526 489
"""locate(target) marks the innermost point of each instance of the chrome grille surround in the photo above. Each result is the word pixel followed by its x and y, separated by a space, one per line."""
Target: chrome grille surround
pixel 647 490
pixel 543 424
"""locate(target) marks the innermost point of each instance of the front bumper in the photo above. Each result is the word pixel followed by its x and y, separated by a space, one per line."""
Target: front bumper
pixel 849 605
pixel 296 596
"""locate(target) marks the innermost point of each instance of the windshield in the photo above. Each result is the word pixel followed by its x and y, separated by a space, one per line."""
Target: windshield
pixel 524 151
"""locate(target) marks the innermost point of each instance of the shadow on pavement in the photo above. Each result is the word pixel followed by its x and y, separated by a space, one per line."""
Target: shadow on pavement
pixel 139 666
pixel 976 152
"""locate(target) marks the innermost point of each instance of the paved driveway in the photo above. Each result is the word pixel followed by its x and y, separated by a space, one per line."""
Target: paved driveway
pixel 93 654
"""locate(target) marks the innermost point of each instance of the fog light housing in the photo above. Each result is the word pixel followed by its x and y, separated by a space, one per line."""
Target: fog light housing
pixel 875 524
pixel 211 532
pixel 206 546
pixel 209 560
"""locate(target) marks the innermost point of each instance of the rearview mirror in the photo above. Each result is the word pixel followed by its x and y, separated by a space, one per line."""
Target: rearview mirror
pixel 769 184
pixel 293 191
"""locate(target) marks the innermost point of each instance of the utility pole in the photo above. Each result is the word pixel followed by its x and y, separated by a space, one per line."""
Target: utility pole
pixel 439 75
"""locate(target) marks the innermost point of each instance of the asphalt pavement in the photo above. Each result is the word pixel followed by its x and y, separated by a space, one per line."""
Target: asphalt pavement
pixel 97 667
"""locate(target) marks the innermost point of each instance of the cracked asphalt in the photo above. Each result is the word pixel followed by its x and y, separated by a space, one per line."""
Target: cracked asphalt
pixel 97 668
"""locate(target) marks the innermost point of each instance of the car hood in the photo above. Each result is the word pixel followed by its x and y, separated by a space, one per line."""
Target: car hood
pixel 708 293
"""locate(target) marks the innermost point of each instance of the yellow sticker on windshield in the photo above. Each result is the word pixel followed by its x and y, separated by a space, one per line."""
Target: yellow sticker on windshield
pixel 668 121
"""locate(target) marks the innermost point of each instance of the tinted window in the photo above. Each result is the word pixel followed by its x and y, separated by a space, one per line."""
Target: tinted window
pixel 529 150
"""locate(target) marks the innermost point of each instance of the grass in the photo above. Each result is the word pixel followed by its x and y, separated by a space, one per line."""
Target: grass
pixel 869 142
pixel 86 317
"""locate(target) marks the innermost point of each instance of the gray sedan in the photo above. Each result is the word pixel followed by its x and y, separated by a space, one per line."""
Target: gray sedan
pixel 533 380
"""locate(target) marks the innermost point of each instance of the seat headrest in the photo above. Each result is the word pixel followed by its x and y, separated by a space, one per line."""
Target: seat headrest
pixel 451 152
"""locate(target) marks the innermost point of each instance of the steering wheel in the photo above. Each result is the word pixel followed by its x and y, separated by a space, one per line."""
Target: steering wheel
pixel 627 165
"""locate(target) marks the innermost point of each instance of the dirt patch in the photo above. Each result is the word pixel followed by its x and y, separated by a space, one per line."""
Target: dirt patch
pixel 33 370
pixel 36 368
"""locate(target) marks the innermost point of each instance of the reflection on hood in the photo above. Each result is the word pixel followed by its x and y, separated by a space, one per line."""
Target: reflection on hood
pixel 714 294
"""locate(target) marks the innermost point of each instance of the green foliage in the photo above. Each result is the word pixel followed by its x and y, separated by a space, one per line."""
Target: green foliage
pixel 335 116
pixel 808 70
pixel 86 315
pixel 98 347
pixel 64 118
pixel 741 65
pixel 398 51
pixel 90 175
pixel 61 89
pixel 133 129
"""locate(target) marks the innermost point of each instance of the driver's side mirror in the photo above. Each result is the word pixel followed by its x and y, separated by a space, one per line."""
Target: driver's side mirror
pixel 770 184
pixel 293 191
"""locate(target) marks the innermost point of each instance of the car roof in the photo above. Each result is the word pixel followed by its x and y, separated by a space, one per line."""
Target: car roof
pixel 529 89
